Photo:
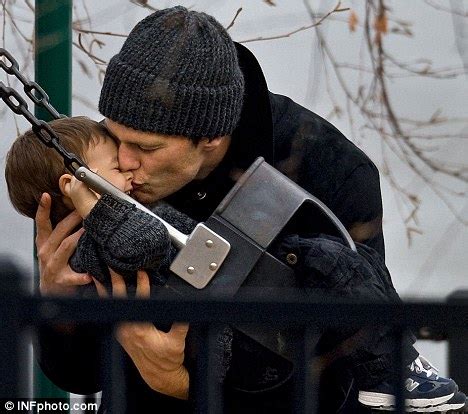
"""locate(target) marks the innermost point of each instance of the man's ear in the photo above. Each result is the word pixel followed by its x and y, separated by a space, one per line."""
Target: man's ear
pixel 214 143
pixel 64 184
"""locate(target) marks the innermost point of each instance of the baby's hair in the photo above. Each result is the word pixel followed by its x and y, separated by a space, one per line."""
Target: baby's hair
pixel 33 168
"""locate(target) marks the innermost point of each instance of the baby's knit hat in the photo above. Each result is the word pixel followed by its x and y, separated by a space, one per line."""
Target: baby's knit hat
pixel 176 74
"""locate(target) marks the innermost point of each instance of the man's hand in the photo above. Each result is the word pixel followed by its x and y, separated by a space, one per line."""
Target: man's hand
pixel 54 249
pixel 159 356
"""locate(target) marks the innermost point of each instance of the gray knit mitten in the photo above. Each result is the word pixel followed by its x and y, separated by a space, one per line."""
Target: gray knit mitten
pixel 120 236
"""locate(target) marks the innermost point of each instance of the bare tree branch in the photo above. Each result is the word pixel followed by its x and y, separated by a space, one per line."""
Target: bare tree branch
pixel 373 102
pixel 440 7
pixel 336 9
pixel 144 4
pixel 87 31
pixel 234 19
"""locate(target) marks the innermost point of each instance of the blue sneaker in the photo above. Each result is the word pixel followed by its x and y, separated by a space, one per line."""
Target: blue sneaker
pixel 457 402
pixel 424 390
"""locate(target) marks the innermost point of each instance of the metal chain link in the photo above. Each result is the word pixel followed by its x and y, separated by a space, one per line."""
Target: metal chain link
pixel 32 89
pixel 20 107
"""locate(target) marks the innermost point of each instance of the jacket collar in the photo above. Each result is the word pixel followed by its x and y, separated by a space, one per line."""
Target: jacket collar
pixel 253 135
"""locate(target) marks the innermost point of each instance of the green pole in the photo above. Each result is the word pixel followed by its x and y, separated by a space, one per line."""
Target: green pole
pixel 53 69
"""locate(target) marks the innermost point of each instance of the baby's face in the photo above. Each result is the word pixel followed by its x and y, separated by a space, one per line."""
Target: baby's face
pixel 102 156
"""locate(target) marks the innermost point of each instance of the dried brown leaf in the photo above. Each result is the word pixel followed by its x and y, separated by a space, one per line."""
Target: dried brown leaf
pixel 353 21
pixel 381 24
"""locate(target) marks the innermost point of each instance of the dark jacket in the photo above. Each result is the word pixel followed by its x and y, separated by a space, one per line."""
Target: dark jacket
pixel 311 152
pixel 304 147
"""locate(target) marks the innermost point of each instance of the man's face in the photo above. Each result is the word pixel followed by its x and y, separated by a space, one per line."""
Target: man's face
pixel 160 164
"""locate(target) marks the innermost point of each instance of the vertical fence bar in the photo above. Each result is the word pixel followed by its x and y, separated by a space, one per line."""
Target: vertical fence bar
pixel 205 378
pixel 399 378
pixel 457 345
pixel 306 379
pixel 12 346
pixel 52 65
pixel 113 383
pixel 89 399
pixel 458 356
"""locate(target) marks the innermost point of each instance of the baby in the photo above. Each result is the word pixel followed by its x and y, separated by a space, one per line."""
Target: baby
pixel 117 234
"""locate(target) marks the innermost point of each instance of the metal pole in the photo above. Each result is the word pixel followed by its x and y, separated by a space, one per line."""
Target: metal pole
pixel 53 69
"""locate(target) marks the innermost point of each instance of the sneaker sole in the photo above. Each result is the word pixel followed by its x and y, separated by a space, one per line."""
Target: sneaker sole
pixel 387 402
pixel 442 409
pixel 447 407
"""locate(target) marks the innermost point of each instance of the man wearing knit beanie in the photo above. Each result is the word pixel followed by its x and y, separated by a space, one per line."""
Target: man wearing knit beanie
pixel 191 111
pixel 177 75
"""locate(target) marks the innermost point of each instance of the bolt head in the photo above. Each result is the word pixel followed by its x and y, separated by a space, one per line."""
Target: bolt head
pixel 291 258
pixel 213 266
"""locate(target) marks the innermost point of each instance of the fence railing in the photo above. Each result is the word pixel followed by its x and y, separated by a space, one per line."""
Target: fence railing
pixel 309 316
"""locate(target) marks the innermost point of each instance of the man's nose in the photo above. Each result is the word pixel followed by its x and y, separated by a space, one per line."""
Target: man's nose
pixel 127 159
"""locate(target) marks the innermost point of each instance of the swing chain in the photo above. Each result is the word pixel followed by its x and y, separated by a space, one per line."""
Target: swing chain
pixel 32 89
pixel 20 107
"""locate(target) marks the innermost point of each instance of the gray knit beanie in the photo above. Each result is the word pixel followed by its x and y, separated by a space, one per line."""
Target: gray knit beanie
pixel 176 74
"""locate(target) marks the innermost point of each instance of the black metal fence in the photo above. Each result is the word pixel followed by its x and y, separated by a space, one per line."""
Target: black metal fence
pixel 19 311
